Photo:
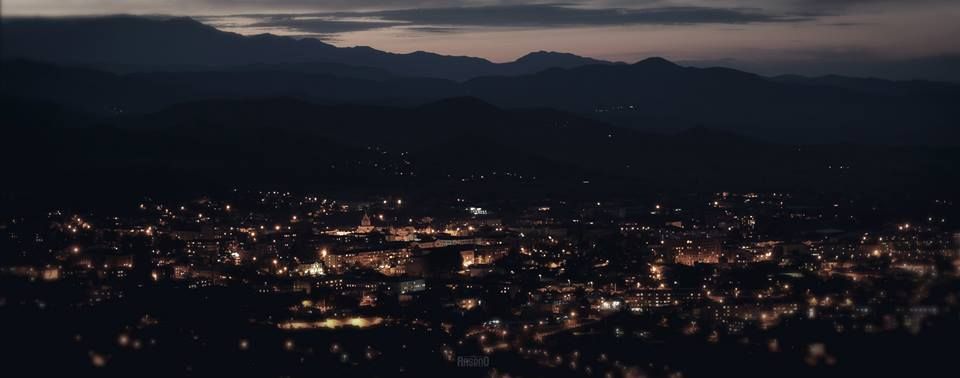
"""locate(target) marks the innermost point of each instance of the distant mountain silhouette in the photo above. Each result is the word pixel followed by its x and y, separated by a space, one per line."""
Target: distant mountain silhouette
pixel 128 43
pixel 541 60
pixel 125 64
pixel 874 85
pixel 106 93
pixel 462 140
pixel 116 103
pixel 657 94
pixel 653 94
pixel 28 113
pixel 938 68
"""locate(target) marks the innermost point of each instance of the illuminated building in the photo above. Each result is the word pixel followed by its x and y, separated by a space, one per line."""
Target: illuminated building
pixel 376 259
pixel 648 299
pixel 366 225
pixel 482 255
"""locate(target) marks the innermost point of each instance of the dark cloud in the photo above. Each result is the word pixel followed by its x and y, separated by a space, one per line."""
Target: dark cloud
pixel 435 29
pixel 221 7
pixel 841 7
pixel 552 15
pixel 516 16
pixel 314 25
pixel 347 5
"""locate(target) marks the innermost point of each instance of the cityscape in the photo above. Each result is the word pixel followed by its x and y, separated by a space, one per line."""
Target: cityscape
pixel 472 188
pixel 259 282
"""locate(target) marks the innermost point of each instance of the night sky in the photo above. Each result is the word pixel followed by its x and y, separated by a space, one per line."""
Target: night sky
pixel 772 36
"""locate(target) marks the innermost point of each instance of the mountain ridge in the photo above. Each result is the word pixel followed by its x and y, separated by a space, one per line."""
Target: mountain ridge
pixel 650 95
pixel 284 140
pixel 153 43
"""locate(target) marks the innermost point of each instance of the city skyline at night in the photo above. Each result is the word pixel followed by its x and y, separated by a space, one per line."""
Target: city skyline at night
pixel 512 188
